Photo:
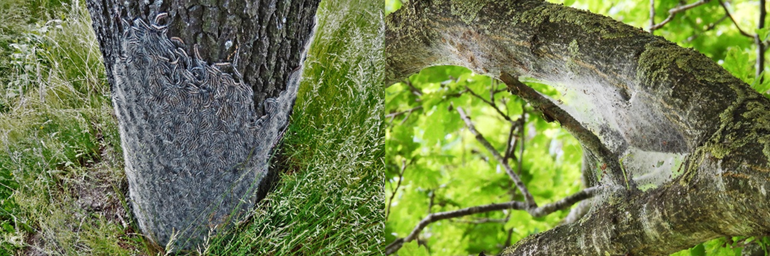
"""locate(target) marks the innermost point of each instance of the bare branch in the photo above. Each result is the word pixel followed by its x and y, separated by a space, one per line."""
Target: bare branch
pixel 407 112
pixel 512 205
pixel 400 178
pixel 565 202
pixel 727 11
pixel 508 238
pixel 522 136
pixel 482 220
pixel 759 41
pixel 708 28
pixel 511 144
pixel 413 89
pixel 516 180
pixel 672 12
pixel 652 16
pixel 395 114
pixel 490 103
pixel 433 217
pixel 586 138
pixel 432 198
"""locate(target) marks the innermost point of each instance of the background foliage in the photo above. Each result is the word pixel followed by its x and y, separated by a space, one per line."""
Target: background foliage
pixel 62 187
pixel 435 165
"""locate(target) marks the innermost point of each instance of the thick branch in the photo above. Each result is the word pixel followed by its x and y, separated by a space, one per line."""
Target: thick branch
pixel 636 93
pixel 657 222
pixel 610 74
pixel 554 112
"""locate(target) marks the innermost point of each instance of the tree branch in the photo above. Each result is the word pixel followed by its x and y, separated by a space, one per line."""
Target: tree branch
pixel 522 136
pixel 708 28
pixel 671 13
pixel 510 143
pixel 490 103
pixel 634 91
pixel 512 205
pixel 516 180
pixel 727 11
pixel 400 178
pixel 652 16
pixel 408 112
pixel 760 66
pixel 483 220
pixel 586 138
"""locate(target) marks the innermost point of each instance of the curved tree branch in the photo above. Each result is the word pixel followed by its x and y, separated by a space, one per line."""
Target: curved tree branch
pixel 727 12
pixel 646 100
pixel 671 13
pixel 531 204
pixel 586 138
pixel 395 190
pixel 564 203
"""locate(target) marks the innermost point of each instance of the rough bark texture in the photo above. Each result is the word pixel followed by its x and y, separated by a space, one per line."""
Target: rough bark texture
pixel 197 133
pixel 691 141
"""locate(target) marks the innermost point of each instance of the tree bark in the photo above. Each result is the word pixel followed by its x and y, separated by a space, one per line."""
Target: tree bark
pixel 196 133
pixel 682 144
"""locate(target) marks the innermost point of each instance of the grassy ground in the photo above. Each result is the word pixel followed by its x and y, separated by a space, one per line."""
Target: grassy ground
pixel 63 189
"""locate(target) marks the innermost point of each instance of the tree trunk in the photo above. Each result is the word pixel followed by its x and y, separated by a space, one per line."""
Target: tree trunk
pixel 196 133
pixel 680 145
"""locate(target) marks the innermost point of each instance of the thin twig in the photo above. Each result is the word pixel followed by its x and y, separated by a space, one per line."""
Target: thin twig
pixel 652 16
pixel 508 238
pixel 759 41
pixel 727 11
pixel 522 136
pixel 413 89
pixel 510 143
pixel 512 205
pixel 673 11
pixel 490 103
pixel 708 28
pixel 482 220
pixel 516 180
pixel 395 114
pixel 400 177
pixel 432 197
pixel 565 202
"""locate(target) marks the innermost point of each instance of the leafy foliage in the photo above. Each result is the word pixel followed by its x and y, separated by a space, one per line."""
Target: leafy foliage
pixel 445 168
pixel 433 164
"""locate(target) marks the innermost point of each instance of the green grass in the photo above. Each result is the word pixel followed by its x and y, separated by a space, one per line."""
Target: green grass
pixel 60 159
pixel 332 203
pixel 63 188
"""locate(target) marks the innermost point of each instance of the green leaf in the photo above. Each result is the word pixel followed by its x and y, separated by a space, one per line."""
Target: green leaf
pixel 737 62
pixel 762 32
pixel 698 250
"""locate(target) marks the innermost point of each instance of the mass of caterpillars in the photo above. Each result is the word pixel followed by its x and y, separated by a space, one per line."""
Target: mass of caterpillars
pixel 187 105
